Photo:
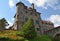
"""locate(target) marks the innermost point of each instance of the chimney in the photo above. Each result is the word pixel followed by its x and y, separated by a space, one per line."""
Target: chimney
pixel 32 5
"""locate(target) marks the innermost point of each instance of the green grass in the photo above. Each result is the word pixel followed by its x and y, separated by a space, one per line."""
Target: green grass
pixel 11 34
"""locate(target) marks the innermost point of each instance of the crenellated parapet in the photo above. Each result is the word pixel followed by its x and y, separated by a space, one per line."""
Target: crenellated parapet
pixel 47 22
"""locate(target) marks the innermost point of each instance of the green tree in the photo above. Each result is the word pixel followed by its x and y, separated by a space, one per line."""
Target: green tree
pixel 3 23
pixel 28 29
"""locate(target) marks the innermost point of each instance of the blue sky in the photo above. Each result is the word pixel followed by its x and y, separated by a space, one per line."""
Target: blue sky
pixel 50 10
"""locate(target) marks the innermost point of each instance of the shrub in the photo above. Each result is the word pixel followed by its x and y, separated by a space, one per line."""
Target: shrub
pixel 42 38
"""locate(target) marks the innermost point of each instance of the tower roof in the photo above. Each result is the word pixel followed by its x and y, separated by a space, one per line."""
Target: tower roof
pixel 19 3
pixel 32 5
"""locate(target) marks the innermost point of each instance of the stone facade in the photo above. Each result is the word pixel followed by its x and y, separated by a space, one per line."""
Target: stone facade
pixel 53 32
pixel 46 25
pixel 22 15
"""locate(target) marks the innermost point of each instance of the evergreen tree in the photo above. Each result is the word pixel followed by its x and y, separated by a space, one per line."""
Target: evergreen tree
pixel 29 29
pixel 3 23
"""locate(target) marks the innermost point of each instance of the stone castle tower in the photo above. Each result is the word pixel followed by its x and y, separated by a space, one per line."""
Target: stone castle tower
pixel 22 15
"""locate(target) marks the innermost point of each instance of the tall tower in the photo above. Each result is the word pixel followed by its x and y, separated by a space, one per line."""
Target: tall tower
pixel 32 5
pixel 18 18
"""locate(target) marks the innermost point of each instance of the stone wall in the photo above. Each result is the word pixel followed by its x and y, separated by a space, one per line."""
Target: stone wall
pixel 53 32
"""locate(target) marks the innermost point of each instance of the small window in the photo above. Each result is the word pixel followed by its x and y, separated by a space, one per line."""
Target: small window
pixel 19 16
pixel 25 19
pixel 31 13
pixel 26 11
pixel 37 22
pixel 35 14
pixel 38 29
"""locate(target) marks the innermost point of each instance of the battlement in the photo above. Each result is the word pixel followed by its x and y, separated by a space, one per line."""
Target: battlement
pixel 23 7
pixel 47 22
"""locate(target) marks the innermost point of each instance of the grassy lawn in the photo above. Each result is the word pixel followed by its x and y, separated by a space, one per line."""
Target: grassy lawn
pixel 10 34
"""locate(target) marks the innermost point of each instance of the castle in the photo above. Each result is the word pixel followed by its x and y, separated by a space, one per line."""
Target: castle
pixel 22 15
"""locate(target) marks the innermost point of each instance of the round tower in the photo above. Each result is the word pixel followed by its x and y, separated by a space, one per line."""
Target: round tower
pixel 32 5
pixel 18 15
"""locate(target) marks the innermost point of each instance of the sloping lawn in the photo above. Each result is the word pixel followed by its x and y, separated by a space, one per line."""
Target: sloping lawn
pixel 10 34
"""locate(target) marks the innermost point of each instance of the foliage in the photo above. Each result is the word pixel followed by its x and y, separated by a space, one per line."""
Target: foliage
pixel 27 33
pixel 28 29
pixel 42 38
pixel 11 35
pixel 3 23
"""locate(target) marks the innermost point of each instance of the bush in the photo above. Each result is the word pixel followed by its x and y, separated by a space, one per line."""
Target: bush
pixel 42 38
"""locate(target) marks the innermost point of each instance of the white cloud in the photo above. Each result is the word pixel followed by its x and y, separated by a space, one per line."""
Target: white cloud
pixel 10 24
pixel 38 2
pixel 55 19
pixel 11 3
pixel 53 4
pixel 45 3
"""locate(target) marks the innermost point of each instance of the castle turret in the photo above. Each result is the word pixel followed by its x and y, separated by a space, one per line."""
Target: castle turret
pixel 18 16
pixel 32 5
pixel 19 6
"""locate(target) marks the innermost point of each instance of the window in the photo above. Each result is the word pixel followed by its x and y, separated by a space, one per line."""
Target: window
pixel 19 16
pixel 25 19
pixel 26 11
pixel 31 13
pixel 35 14
pixel 37 22
pixel 38 29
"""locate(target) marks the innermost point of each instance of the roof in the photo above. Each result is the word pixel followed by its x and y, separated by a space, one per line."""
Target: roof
pixel 19 3
pixel 53 28
pixel 47 22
